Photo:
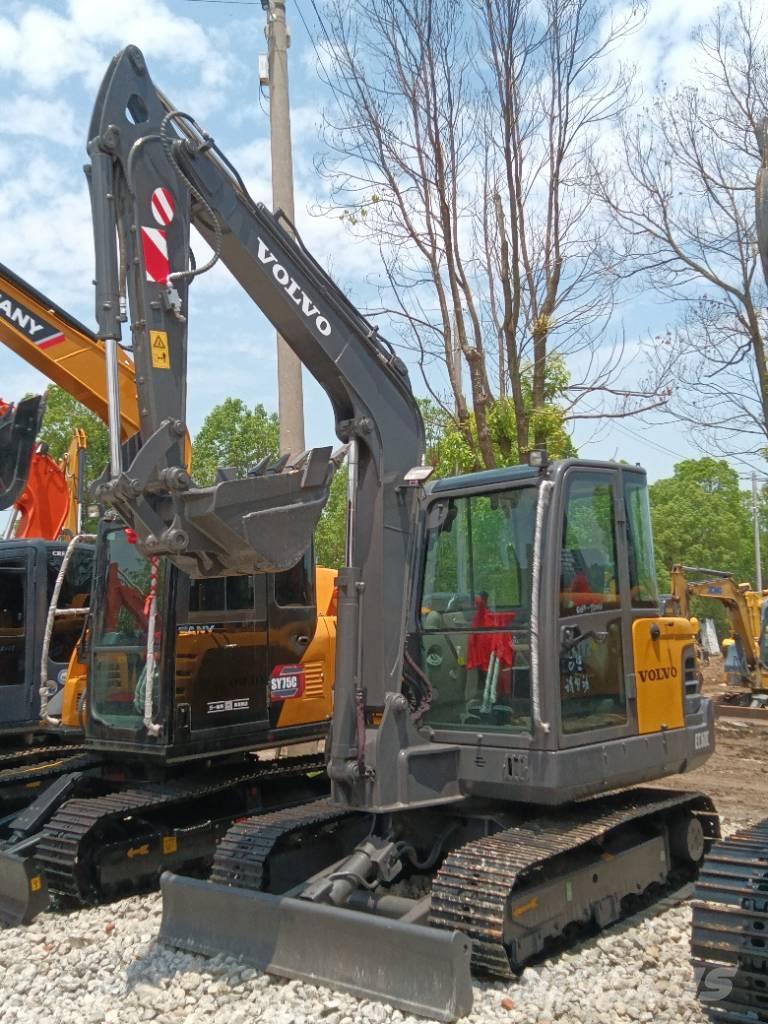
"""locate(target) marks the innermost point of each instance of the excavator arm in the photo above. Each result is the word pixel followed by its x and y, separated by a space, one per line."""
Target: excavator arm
pixel 152 174
pixel 722 587
pixel 52 341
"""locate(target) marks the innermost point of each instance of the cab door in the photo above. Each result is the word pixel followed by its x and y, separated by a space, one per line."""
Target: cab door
pixel 222 651
pixel 17 635
pixel 595 649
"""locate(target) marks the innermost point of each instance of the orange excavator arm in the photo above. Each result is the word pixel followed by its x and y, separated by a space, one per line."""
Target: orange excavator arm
pixel 66 351
pixel 43 507
pixel 69 354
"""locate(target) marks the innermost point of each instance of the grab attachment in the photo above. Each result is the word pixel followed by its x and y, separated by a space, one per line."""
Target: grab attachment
pixel 19 426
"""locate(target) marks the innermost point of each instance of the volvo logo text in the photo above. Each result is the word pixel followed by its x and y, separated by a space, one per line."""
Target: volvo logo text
pixel 293 289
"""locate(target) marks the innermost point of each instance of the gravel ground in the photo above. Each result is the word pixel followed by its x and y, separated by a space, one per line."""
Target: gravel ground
pixel 103 966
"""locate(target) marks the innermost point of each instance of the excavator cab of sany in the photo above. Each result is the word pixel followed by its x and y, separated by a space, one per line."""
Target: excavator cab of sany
pixel 218 667
pixel 28 574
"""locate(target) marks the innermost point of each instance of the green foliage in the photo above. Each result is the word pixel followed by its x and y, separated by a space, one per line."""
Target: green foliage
pixel 330 531
pixel 701 518
pixel 450 452
pixel 62 414
pixel 234 435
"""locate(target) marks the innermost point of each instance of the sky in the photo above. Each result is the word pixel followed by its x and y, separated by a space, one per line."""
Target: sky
pixel 204 55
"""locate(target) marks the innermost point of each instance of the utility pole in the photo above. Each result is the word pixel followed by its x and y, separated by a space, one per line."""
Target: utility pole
pixel 290 396
pixel 756 527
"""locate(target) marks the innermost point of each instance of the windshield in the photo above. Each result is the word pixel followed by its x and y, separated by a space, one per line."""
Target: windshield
pixel 476 608
pixel 119 639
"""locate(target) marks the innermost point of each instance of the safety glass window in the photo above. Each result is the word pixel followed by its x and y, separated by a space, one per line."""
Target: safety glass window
pixel 588 576
pixel 121 634
pixel 592 690
pixel 12 624
pixel 475 612
pixel 642 564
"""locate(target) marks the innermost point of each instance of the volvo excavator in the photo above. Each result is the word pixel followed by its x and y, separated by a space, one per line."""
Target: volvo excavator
pixel 729 942
pixel 502 672
pixel 272 637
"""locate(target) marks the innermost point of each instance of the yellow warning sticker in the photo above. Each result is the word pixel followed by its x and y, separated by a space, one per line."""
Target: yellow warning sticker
pixel 524 908
pixel 35 883
pixel 161 357
pixel 170 844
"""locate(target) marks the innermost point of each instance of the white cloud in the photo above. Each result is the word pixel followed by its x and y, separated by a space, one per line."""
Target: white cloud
pixel 52 120
pixel 44 48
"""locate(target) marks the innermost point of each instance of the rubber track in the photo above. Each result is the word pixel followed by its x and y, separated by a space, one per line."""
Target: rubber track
pixel 730 925
pixel 63 843
pixel 243 852
pixel 471 890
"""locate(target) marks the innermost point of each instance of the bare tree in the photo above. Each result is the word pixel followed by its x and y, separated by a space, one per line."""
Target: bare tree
pixel 460 139
pixel 683 193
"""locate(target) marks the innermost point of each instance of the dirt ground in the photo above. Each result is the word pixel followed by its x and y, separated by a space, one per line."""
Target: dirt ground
pixel 736 775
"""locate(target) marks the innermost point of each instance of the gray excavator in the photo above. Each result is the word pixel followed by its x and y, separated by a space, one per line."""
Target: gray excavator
pixel 502 673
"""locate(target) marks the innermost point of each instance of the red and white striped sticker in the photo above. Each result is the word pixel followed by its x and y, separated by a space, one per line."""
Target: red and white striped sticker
pixel 154 244
pixel 162 206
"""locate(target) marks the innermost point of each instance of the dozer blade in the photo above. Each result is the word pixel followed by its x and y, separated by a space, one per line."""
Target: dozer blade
pixel 23 889
pixel 414 968
pixel 18 435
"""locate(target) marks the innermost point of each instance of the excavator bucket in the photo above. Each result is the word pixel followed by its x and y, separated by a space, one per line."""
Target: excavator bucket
pixel 415 968
pixel 19 427
pixel 263 522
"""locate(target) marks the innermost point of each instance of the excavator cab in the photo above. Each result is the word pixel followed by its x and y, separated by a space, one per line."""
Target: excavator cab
pixel 28 572
pixel 19 426
pixel 231 655
pixel 515 630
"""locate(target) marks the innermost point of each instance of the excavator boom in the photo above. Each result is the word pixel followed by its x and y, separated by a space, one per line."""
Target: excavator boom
pixel 66 351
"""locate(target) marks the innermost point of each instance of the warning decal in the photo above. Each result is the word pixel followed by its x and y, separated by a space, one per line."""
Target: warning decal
pixel 24 321
pixel 162 206
pixel 158 343
pixel 154 245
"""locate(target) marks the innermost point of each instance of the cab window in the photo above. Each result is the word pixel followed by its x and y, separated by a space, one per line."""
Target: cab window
pixel 475 611
pixel 642 564
pixel 588 575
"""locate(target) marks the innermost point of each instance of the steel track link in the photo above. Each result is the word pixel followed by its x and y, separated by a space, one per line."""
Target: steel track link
pixel 64 850
pixel 34 773
pixel 729 939
pixel 31 755
pixel 472 889
pixel 241 856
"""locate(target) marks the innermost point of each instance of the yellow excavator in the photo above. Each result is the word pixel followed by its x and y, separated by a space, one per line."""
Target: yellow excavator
pixel 745 610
